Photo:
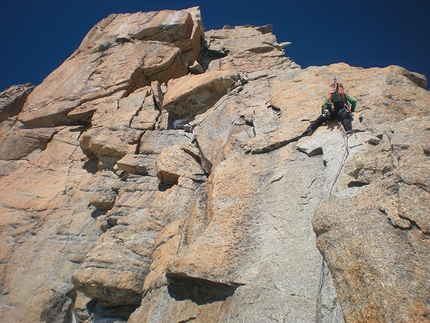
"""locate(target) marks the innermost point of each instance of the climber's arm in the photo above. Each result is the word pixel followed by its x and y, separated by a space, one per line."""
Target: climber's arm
pixel 352 101
pixel 325 102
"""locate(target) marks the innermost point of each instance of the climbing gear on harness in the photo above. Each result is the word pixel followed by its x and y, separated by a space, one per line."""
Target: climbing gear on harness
pixel 326 113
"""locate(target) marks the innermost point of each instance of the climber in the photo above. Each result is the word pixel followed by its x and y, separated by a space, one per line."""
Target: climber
pixel 339 105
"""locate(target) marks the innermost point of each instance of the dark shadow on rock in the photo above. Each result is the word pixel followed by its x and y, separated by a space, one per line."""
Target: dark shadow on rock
pixel 209 55
pixel 315 152
pixel 57 307
pixel 80 128
pixel 199 291
pixel 91 166
pixel 357 184
pixel 97 212
pixel 165 185
pixel 98 313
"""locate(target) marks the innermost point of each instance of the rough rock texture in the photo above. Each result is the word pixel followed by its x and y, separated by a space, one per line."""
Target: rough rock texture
pixel 13 99
pixel 376 239
pixel 160 175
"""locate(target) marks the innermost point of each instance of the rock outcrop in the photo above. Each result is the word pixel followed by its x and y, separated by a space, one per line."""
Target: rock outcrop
pixel 160 175
pixel 13 99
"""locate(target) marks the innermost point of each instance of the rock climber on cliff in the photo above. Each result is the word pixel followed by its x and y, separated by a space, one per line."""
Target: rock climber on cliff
pixel 339 105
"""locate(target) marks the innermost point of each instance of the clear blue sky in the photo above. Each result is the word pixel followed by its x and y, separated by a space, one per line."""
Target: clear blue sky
pixel 38 35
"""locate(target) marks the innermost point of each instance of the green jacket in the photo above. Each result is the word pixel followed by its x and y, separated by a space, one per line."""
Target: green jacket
pixel 350 100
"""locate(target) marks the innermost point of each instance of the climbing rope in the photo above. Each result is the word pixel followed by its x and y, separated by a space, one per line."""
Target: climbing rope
pixel 344 157
pixel 342 163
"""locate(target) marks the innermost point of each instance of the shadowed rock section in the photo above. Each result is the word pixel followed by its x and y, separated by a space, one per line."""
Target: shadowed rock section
pixel 160 175
pixel 199 291
pixel 13 99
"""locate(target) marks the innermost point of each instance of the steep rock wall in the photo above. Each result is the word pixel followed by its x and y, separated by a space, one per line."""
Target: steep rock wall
pixel 136 191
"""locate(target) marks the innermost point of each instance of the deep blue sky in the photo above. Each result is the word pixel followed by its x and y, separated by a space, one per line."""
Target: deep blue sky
pixel 36 36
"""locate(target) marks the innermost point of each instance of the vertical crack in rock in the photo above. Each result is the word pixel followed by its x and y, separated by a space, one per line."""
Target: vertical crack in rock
pixel 142 133
pixel 199 291
pixel 327 308
pixel 204 161
pixel 319 295
pixel 136 113
pixel 69 170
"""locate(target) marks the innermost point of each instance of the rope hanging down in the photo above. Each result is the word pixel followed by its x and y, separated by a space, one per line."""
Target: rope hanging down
pixel 342 163
pixel 344 157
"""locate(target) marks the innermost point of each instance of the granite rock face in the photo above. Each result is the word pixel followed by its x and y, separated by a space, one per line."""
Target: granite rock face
pixel 13 99
pixel 160 175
